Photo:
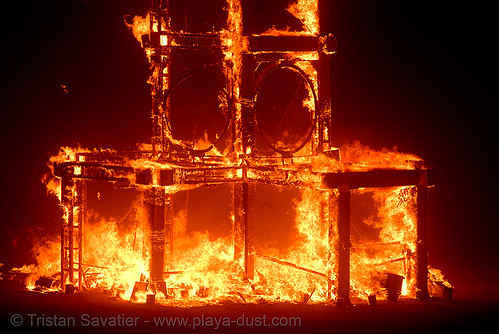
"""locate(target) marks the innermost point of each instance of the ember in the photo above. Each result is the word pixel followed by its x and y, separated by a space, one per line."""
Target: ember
pixel 241 108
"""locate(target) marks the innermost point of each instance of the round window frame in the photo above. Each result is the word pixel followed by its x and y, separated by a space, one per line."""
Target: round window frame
pixel 313 119
pixel 228 118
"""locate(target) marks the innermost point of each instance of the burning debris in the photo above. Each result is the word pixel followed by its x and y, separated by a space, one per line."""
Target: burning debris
pixel 240 104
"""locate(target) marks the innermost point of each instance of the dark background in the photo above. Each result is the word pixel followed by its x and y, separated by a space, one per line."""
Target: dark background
pixel 419 75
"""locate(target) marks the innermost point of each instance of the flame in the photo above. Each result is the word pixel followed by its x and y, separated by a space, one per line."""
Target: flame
pixel 358 157
pixel 117 256
pixel 202 269
pixel 393 247
pixel 52 183
pixel 140 26
pixel 47 254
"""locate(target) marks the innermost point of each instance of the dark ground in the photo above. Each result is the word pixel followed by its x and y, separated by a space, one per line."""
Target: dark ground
pixel 468 311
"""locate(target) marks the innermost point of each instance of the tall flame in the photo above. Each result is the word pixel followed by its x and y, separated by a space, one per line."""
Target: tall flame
pixel 307 12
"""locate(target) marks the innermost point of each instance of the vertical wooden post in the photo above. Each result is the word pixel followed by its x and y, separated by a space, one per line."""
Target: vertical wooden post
pixel 238 221
pixel 160 11
pixel 73 216
pixel 249 229
pixel 168 224
pixel 70 237
pixel 66 221
pixel 155 203
pixel 324 118
pixel 247 104
pixel 323 77
pixel 82 219
pixel 244 229
pixel 327 221
pixel 234 76
pixel 422 237
pixel 344 246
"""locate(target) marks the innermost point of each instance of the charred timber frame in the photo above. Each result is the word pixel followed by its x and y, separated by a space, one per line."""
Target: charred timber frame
pixel 260 50
pixel 73 212
pixel 244 226
pixel 158 206
pixel 345 182
pixel 244 178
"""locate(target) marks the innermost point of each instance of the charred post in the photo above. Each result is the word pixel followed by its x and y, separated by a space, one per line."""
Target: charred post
pixel 344 245
pixel 81 188
pixel 422 237
pixel 247 104
pixel 244 229
pixel 157 203
pixel 73 215
pixel 66 228
pixel 249 229
pixel 237 192
pixel 328 220
pixel 168 227
pixel 326 48
pixel 158 20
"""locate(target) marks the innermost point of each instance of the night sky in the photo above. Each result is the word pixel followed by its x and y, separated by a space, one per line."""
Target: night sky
pixel 418 75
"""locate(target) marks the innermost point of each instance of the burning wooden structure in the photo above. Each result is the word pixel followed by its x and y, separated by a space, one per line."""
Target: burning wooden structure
pixel 239 101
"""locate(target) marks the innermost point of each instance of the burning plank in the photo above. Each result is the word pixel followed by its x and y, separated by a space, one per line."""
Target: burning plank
pixel 286 263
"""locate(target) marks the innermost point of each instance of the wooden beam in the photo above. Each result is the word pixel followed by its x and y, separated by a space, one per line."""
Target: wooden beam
pixel 376 178
pixel 290 264
pixel 344 245
pixel 268 43
pixel 422 239
pixel 155 202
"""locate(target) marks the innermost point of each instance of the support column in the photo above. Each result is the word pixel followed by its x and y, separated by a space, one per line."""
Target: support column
pixel 160 11
pixel 249 229
pixel 324 123
pixel 344 246
pixel 422 237
pixel 73 192
pixel 234 74
pixel 81 189
pixel 238 221
pixel 247 104
pixel 157 203
pixel 66 229
pixel 244 213
pixel 323 76
pixel 327 220
pixel 168 227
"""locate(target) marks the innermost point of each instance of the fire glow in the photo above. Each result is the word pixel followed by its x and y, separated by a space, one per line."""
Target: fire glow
pixel 241 112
